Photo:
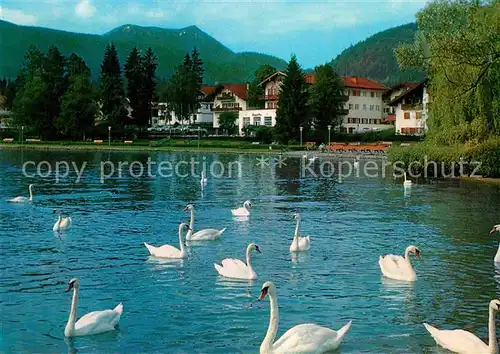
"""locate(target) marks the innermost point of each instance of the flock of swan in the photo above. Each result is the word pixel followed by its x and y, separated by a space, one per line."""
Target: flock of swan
pixel 304 338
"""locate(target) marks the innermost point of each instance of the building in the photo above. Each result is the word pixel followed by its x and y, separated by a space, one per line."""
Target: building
pixel 229 98
pixel 411 107
pixel 365 105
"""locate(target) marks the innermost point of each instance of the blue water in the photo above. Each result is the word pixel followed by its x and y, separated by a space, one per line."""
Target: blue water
pixel 185 307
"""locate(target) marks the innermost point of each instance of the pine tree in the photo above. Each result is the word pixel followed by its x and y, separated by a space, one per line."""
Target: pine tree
pixel 149 65
pixel 327 99
pixel 113 102
pixel 292 112
pixel 197 66
pixel 134 75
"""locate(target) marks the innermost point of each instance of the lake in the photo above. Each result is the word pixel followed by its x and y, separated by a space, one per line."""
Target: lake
pixel 185 306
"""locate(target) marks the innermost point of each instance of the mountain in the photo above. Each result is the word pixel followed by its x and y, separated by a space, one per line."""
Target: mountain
pixel 374 57
pixel 169 45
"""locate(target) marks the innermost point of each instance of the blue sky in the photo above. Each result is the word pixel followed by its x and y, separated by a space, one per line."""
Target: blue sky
pixel 316 31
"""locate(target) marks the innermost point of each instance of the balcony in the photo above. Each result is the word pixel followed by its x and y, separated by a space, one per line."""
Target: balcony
pixel 226 109
pixel 225 97
pixel 412 107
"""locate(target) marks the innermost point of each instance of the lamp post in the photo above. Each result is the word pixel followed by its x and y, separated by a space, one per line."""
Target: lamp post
pixel 198 136
pixel 22 135
pixel 109 136
pixel 329 129
pixel 301 129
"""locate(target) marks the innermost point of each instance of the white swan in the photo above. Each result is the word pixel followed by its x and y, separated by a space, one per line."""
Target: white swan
pixel 407 183
pixel 244 210
pixel 167 251
pixel 235 268
pixel 201 235
pixel 23 199
pixel 497 256
pixel 299 243
pixel 397 267
pixel 460 341
pixel 93 322
pixel 203 177
pixel 356 163
pixel 304 338
pixel 61 223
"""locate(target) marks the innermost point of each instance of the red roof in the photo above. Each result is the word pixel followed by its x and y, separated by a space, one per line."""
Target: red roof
pixel 363 83
pixel 208 90
pixel 391 118
pixel 239 90
pixel 310 79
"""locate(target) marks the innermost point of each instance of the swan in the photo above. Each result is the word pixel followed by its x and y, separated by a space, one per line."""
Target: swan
pixel 304 338
pixel 397 267
pixel 497 256
pixel 61 223
pixel 235 268
pixel 356 163
pixel 93 322
pixel 23 199
pixel 203 177
pixel 407 182
pixel 167 251
pixel 460 341
pixel 299 243
pixel 201 235
pixel 243 211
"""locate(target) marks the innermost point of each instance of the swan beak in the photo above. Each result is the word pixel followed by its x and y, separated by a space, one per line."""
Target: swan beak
pixel 263 294
pixel 492 230
pixel 68 288
pixel 185 209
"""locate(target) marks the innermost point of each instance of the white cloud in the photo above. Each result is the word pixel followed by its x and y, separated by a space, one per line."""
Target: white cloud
pixel 155 14
pixel 84 9
pixel 17 16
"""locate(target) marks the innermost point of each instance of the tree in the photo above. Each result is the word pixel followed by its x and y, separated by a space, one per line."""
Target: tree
pixel 292 111
pixel 327 98
pixel 149 66
pixel 254 89
pixel 458 46
pixel 227 121
pixel 134 75
pixel 113 102
pixel 78 107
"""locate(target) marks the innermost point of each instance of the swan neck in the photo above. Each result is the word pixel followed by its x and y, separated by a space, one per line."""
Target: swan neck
pixel 70 326
pixel 492 341
pixel 249 262
pixel 191 221
pixel 31 192
pixel 268 341
pixel 181 241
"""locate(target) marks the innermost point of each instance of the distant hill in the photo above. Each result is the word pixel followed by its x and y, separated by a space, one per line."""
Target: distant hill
pixel 374 57
pixel 170 45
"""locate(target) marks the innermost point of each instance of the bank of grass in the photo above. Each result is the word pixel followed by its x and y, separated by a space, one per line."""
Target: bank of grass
pixel 205 145
pixel 418 157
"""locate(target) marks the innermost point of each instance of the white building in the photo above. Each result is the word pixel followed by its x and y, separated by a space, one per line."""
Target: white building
pixel 411 109
pixel 256 117
pixel 229 98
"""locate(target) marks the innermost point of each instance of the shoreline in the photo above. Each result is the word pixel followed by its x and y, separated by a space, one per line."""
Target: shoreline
pixel 492 181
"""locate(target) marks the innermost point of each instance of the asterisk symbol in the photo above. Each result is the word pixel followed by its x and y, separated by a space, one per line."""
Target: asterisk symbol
pixel 262 161
pixel 280 161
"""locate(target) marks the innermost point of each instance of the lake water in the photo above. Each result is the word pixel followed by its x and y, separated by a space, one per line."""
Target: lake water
pixel 185 307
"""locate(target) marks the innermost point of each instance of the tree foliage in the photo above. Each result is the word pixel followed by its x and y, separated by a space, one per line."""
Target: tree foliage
pixel 458 45
pixel 254 89
pixel 292 112
pixel 227 121
pixel 327 99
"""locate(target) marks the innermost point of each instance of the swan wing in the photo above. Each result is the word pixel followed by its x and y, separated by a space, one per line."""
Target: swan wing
pixel 65 223
pixel 310 338
pixel 240 212
pixel 232 268
pixel 458 340
pixel 99 321
pixel 304 243
pixel 165 251
pixel 205 234
pixel 18 200
pixel 396 267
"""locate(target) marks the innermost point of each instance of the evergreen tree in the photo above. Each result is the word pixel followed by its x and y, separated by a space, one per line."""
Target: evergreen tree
pixel 292 103
pixel 149 65
pixel 254 90
pixel 54 77
pixel 135 82
pixel 327 99
pixel 197 66
pixel 78 106
pixel 113 102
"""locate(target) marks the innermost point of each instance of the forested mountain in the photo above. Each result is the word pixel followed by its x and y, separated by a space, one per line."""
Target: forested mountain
pixel 170 45
pixel 374 57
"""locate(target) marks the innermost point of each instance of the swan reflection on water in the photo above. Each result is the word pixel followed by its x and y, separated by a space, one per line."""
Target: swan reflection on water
pixel 299 257
pixel 235 288
pixel 397 291
pixel 164 263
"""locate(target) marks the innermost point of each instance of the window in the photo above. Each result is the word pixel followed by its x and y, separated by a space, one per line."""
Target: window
pixel 407 115
pixel 377 108
pixel 419 115
pixel 378 94
pixel 365 120
pixel 346 92
pixel 372 94
pixel 256 121
pixel 350 105
pixel 268 121
pixel 356 106
pixel 246 121
pixel 371 107
pixel 364 107
pixel 355 92
pixel 364 93
pixel 272 104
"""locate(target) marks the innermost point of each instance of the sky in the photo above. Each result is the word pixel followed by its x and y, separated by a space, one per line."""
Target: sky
pixel 316 31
